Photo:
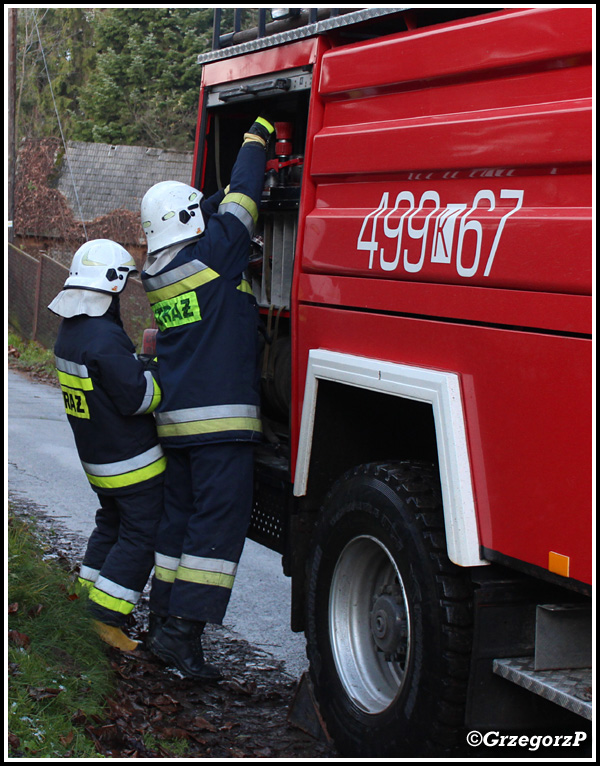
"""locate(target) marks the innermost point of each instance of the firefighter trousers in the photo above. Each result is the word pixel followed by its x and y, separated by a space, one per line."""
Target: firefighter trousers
pixel 208 502
pixel 120 552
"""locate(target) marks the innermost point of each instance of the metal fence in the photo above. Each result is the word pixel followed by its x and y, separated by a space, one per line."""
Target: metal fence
pixel 34 282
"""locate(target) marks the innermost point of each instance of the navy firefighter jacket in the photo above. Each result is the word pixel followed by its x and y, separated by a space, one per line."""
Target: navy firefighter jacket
pixel 109 397
pixel 207 318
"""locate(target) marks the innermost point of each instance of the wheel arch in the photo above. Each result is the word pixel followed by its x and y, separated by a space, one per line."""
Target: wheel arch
pixel 345 393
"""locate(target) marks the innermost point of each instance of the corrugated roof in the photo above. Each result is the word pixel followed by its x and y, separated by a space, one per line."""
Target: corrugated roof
pixel 109 177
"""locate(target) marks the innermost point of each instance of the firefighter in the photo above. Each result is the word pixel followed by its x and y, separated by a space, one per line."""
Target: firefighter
pixel 208 420
pixel 109 395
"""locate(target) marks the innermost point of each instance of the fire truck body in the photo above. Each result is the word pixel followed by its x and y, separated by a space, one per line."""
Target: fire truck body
pixel 423 268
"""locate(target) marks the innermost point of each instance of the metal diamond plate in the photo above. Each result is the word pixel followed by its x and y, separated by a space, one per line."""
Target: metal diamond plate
pixel 571 689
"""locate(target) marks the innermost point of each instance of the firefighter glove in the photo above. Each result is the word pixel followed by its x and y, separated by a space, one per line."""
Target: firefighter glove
pixel 261 130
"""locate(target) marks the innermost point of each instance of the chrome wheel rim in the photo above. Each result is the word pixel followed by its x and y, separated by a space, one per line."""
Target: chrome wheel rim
pixel 369 624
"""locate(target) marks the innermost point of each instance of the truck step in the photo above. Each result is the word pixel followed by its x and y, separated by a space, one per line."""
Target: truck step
pixel 569 688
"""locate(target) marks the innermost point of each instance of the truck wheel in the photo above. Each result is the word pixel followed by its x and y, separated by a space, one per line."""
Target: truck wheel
pixel 389 627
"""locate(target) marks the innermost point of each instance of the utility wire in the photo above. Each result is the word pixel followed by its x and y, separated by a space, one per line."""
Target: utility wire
pixel 60 126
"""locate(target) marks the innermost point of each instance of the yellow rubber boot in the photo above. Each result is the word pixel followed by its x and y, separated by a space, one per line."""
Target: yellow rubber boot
pixel 115 637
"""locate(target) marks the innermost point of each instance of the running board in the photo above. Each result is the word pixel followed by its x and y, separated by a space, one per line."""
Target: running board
pixel 569 688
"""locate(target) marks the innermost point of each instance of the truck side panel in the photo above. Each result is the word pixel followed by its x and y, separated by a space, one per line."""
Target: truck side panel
pixel 451 228
pixel 528 410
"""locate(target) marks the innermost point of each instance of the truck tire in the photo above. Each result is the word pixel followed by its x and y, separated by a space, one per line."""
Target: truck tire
pixel 389 617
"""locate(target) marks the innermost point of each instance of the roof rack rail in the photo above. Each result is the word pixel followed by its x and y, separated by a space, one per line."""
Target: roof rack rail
pixel 282 18
pixel 287 24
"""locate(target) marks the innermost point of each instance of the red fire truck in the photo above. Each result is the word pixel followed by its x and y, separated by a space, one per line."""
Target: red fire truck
pixel 422 264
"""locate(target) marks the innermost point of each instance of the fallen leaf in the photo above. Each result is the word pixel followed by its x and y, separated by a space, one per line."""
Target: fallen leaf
pixel 42 693
pixel 65 741
pixel 19 639
pixel 78 718
pixel 173 732
pixel 13 608
pixel 203 724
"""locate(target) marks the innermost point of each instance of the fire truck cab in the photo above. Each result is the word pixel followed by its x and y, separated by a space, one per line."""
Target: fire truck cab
pixel 422 264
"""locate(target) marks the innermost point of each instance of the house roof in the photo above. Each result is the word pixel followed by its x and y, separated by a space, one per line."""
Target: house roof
pixel 109 177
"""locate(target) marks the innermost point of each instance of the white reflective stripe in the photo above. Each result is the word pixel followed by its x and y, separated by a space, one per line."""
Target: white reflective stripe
pixel 87 573
pixel 71 368
pixel 117 591
pixel 240 213
pixel 166 562
pixel 124 466
pixel 208 565
pixel 148 396
pixel 175 275
pixel 208 413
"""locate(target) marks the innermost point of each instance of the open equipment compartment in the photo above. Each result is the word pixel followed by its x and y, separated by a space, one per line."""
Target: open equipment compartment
pixel 230 109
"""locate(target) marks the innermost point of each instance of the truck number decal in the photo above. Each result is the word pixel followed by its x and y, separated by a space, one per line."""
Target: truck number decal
pixel 424 229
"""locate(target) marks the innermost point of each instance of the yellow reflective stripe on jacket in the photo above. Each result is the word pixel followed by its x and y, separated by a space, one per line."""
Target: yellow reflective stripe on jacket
pixel 124 473
pixel 152 396
pixel 242 207
pixel 244 287
pixel 210 426
pixel 72 381
pixel 208 420
pixel 156 396
pixel 73 375
pixel 180 280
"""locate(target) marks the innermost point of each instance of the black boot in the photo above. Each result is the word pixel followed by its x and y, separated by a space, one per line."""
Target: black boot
pixel 177 642
pixel 154 622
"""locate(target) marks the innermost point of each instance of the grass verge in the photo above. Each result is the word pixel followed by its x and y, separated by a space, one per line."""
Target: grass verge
pixel 30 355
pixel 59 674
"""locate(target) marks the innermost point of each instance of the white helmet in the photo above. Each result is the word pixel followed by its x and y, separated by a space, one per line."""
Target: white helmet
pixel 100 265
pixel 171 214
pixel 99 270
